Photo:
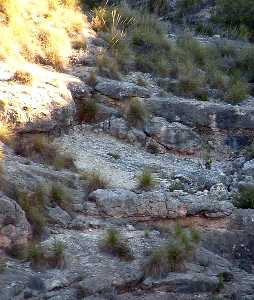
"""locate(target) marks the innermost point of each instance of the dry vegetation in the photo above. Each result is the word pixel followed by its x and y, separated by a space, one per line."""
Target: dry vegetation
pixel 39 31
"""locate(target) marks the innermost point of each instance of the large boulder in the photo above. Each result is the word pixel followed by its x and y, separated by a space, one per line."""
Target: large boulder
pixel 195 114
pixel 121 90
pixel 14 227
pixel 175 136
pixel 45 104
pixel 158 204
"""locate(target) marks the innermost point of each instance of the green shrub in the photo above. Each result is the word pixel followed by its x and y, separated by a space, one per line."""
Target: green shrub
pixel 245 198
pixel 36 255
pixel 235 13
pixel 205 29
pixel 172 256
pixel 146 180
pixel 87 111
pixel 94 180
pixel 32 204
pixel 115 244
pixel 159 7
pixel 136 112
pixel 187 6
pixel 60 195
pixel 2 265
pixel 57 257
pixel 236 92
pixel 107 65
pixel 64 161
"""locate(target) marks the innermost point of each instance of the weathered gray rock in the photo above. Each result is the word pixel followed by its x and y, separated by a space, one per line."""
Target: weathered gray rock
pixel 174 135
pixel 193 113
pixel 45 105
pixel 14 227
pixel 120 90
pixel 60 216
pixel 185 283
pixel 248 168
pixel 157 204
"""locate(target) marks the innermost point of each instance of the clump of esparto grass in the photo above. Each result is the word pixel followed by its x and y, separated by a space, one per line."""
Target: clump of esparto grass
pixel 107 65
pixel 40 31
pixel 172 256
pixel 23 77
pixel 60 196
pixel 41 148
pixel 245 197
pixel 36 255
pixel 87 111
pixel 6 133
pixel 64 161
pixel 237 92
pixel 57 257
pixel 33 205
pixel 136 112
pixel 249 151
pixel 146 179
pixel 94 181
pixel 114 155
pixel 92 79
pixel 2 265
pixel 115 244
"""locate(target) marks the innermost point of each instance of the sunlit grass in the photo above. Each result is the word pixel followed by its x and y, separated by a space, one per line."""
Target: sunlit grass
pixel 39 31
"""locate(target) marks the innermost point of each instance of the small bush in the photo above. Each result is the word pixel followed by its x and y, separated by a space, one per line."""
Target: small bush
pixel 136 112
pixel 88 111
pixel 245 198
pixel 6 134
pixel 172 256
pixel 94 181
pixel 60 196
pixel 116 156
pixel 2 265
pixel 33 205
pixel 41 148
pixel 107 65
pixel 187 6
pixel 57 257
pixel 64 161
pixel 92 79
pixel 23 77
pixel 237 92
pixel 36 255
pixel 235 14
pixel 113 243
pixel 146 180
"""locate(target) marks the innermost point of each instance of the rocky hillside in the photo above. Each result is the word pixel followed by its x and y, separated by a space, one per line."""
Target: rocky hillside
pixel 127 150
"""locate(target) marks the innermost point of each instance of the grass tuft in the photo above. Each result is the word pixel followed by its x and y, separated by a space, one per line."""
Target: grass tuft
pixel 115 244
pixel 172 256
pixel 146 179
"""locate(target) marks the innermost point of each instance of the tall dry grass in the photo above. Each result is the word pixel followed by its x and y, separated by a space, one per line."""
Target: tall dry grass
pixel 39 31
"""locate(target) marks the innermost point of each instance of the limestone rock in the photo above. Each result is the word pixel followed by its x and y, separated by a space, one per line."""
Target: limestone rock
pixel 120 90
pixel 174 135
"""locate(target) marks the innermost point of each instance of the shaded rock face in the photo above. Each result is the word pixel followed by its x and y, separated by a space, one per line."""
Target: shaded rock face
pixel 194 114
pixel 14 227
pixel 121 90
pixel 174 135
